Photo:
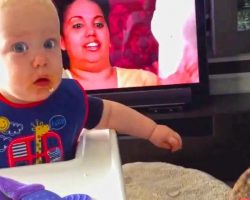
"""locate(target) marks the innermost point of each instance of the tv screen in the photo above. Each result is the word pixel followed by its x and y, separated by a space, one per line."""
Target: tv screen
pixel 163 40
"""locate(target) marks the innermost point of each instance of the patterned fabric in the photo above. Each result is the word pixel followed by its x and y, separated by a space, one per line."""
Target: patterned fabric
pixel 45 131
pixel 241 188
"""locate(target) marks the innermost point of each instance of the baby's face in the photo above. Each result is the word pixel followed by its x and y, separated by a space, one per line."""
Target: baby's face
pixel 30 56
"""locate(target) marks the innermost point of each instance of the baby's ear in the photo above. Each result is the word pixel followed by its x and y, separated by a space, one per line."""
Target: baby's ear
pixel 62 43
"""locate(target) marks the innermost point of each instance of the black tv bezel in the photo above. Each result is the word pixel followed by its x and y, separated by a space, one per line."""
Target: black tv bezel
pixel 226 39
pixel 171 94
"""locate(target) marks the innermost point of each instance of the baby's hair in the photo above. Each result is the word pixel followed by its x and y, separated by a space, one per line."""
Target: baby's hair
pixel 4 3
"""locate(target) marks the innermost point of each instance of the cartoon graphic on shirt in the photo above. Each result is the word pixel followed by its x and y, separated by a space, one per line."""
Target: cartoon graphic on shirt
pixel 40 130
pixel 4 124
pixel 57 122
pixel 14 129
pixel 4 141
pixel 42 145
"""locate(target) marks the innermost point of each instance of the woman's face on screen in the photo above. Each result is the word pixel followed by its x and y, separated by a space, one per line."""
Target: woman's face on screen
pixel 85 33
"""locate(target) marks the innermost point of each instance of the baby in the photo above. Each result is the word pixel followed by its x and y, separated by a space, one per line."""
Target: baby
pixel 42 115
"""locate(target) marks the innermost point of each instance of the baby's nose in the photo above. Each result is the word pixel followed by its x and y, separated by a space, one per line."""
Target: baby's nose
pixel 39 61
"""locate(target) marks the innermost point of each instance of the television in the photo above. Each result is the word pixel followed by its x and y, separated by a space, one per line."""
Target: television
pixel 135 28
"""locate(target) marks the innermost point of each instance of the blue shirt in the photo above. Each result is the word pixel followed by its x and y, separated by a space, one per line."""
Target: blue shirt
pixel 46 131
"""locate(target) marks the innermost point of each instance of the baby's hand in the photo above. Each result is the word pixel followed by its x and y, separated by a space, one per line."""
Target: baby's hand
pixel 165 137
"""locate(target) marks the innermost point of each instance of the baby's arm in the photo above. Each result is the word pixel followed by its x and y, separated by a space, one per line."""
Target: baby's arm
pixel 126 120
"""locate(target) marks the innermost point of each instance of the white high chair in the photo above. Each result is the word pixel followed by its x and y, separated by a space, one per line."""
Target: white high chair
pixel 96 169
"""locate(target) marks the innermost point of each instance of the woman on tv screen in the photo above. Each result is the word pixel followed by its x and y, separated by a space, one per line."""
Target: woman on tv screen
pixel 118 44
pixel 86 38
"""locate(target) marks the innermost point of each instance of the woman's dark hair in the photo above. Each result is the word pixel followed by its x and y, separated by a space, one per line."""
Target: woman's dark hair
pixel 62 5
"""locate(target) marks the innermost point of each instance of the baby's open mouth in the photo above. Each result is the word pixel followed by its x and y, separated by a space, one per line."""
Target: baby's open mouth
pixel 42 82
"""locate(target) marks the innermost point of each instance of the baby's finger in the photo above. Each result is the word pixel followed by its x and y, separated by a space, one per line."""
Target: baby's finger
pixel 178 137
pixel 165 145
pixel 175 144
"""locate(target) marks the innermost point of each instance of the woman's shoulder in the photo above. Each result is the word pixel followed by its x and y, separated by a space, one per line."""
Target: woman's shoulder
pixel 136 77
pixel 137 72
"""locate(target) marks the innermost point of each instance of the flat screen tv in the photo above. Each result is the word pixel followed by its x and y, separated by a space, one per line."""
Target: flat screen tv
pixel 164 37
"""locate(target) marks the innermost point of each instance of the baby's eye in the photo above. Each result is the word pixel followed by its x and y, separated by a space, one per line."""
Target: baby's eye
pixel 99 25
pixel 78 25
pixel 20 47
pixel 49 44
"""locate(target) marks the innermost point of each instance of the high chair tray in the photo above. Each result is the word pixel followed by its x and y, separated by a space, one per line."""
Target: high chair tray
pixel 96 169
